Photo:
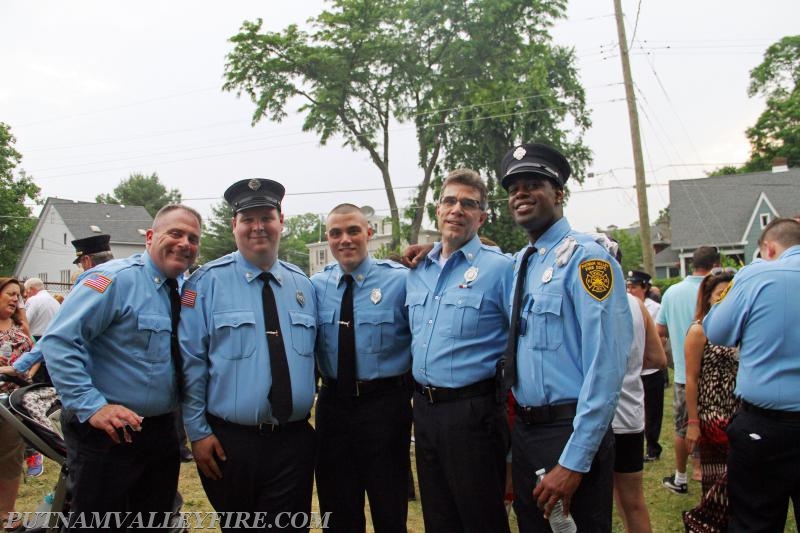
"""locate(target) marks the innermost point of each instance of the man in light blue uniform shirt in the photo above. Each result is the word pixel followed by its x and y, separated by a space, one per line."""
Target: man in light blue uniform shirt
pixel 109 354
pixel 255 452
pixel 574 334
pixel 760 313
pixel 363 423
pixel 456 301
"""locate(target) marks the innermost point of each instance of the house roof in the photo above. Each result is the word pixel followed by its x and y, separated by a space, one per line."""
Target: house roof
pixel 121 222
pixel 716 211
pixel 667 257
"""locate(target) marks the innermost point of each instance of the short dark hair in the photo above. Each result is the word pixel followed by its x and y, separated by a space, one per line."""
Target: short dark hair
pixel 784 231
pixel 470 178
pixel 705 257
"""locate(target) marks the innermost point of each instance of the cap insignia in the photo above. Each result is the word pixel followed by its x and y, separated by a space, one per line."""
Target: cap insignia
pixel 519 153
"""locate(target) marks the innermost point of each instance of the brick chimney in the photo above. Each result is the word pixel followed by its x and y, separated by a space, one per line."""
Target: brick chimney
pixel 780 164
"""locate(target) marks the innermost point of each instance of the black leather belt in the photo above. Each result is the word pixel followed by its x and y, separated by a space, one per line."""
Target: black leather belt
pixel 444 394
pixel 788 416
pixel 372 386
pixel 544 414
pixel 261 429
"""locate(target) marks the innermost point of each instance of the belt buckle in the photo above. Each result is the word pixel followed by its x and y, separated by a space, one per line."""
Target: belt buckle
pixel 262 427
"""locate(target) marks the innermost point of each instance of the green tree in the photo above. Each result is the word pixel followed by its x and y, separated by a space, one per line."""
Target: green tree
pixel 217 239
pixel 16 223
pixel 776 133
pixel 631 247
pixel 473 77
pixel 298 231
pixel 146 191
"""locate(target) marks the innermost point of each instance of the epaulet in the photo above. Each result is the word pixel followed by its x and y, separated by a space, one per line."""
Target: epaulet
pixel 389 263
pixel 220 261
pixel 294 268
pixel 329 267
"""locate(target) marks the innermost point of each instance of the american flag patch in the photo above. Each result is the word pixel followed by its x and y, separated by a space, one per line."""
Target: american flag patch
pixel 188 298
pixel 100 283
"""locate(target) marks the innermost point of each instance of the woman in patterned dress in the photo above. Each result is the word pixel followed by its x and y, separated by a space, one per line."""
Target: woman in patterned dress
pixel 11 447
pixel 710 404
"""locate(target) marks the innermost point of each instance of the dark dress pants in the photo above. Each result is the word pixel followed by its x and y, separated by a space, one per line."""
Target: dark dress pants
pixel 539 446
pixel 653 411
pixel 461 449
pixel 364 449
pixel 265 471
pixel 136 477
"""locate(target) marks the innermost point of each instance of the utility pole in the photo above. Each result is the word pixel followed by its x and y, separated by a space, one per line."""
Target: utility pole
pixel 636 143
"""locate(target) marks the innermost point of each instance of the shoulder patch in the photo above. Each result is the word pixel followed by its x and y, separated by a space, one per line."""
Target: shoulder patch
pixel 597 278
pixel 188 298
pixel 99 283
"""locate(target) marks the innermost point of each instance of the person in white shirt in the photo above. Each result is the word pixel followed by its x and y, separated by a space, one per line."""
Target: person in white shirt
pixel 40 306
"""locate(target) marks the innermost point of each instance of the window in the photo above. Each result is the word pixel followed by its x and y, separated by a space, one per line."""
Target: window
pixel 43 276
pixel 65 278
pixel 321 256
pixel 42 244
pixel 764 220
pixel 65 238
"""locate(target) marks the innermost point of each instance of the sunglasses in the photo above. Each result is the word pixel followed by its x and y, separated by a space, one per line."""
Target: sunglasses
pixel 716 271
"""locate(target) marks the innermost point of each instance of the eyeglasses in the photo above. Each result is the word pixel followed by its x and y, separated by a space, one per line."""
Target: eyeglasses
pixel 716 271
pixel 468 204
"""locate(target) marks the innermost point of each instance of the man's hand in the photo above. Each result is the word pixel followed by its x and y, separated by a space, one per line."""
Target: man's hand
pixel 558 484
pixel 116 420
pixel 204 451
pixel 415 253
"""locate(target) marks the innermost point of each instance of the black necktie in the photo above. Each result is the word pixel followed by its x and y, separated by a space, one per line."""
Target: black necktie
pixel 346 384
pixel 510 370
pixel 174 347
pixel 280 395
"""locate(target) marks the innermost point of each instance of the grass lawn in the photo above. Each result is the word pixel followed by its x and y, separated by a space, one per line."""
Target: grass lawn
pixel 665 507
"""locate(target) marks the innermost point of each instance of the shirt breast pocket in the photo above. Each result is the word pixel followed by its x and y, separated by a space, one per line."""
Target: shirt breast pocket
pixel 415 301
pixel 373 329
pixel 545 327
pixel 325 328
pixel 464 309
pixel 235 335
pixel 303 332
pixel 157 329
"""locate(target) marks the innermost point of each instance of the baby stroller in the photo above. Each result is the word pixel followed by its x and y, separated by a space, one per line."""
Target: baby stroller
pixel 34 411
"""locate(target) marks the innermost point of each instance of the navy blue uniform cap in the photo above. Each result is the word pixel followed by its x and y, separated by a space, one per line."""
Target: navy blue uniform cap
pixel 534 159
pixel 256 192
pixel 91 245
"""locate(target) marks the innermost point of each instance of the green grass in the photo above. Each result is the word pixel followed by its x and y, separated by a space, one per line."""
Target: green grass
pixel 665 507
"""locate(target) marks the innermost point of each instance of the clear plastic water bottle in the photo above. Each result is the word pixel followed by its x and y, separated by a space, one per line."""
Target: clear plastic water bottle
pixel 559 522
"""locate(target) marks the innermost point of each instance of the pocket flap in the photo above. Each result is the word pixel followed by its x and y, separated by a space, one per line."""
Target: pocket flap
pixel 416 298
pixel 302 319
pixel 155 323
pixel 234 319
pixel 376 316
pixel 547 303
pixel 463 298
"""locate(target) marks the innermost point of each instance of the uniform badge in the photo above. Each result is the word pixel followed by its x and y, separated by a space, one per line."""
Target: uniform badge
pixel 375 295
pixel 301 298
pixel 100 283
pixel 597 278
pixel 519 153
pixel 254 184
pixel 548 275
pixel 471 274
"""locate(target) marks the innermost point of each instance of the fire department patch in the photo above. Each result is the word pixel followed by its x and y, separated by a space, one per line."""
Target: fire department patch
pixel 597 278
pixel 724 292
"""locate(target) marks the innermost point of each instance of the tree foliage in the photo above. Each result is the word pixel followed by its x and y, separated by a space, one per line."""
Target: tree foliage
pixel 631 247
pixel 217 239
pixel 16 223
pixel 474 78
pixel 146 191
pixel 776 133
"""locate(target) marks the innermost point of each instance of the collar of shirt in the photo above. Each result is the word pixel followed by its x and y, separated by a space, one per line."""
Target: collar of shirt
pixel 251 272
pixel 359 274
pixel 469 251
pixel 155 274
pixel 792 250
pixel 551 237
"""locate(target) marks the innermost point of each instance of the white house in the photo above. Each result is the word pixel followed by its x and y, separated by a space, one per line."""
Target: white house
pixel 49 253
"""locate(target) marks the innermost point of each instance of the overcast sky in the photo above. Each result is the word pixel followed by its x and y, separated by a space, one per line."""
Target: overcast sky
pixel 96 90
